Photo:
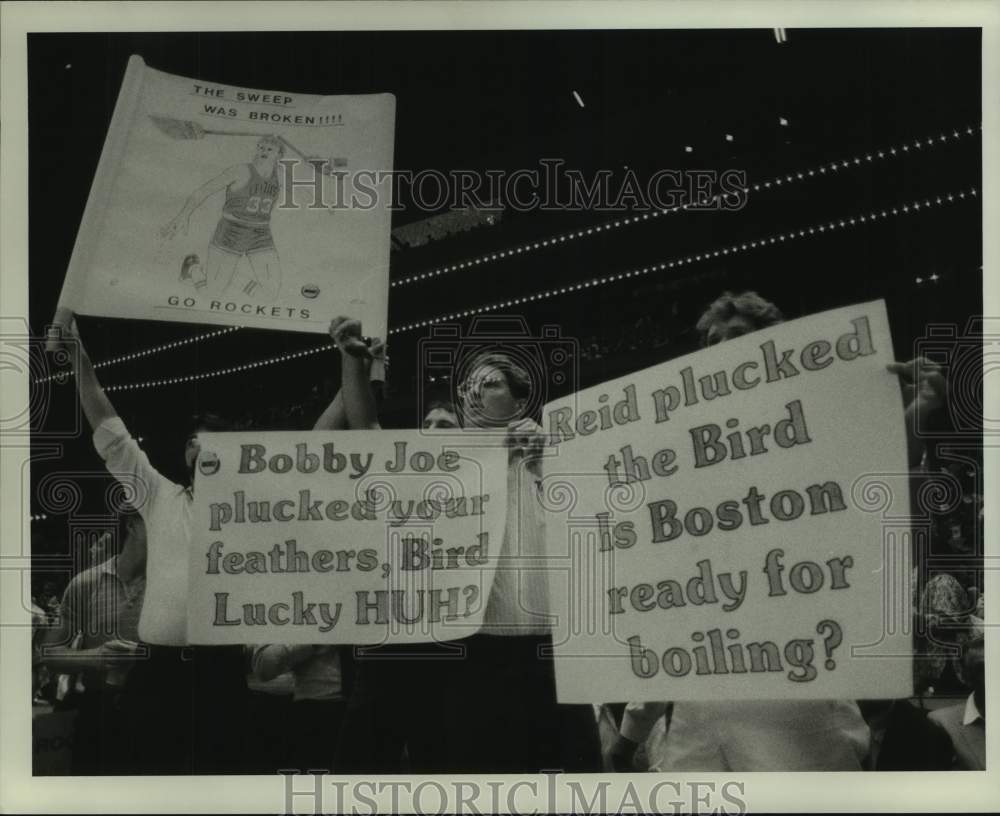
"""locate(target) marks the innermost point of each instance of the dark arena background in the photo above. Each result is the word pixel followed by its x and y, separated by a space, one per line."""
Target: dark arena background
pixel 862 149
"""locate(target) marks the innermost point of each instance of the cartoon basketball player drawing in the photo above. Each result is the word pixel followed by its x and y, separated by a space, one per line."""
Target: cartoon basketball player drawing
pixel 244 228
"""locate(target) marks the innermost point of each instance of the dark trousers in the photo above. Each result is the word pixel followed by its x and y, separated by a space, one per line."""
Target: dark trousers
pixel 267 726
pixel 100 735
pixel 491 708
pixel 314 728
pixel 188 708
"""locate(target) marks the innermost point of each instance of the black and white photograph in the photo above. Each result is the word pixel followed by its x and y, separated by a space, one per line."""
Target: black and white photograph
pixel 395 402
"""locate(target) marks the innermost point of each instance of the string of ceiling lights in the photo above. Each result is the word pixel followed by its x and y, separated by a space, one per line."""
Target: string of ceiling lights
pixel 789 178
pixel 145 353
pixel 777 181
pixel 910 207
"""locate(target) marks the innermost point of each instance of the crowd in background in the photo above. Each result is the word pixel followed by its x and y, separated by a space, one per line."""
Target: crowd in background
pixel 290 700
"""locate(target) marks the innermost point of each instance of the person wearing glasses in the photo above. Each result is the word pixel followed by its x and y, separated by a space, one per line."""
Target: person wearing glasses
pixel 485 703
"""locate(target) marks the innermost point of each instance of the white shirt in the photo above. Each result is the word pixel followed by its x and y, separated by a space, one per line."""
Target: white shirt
pixel 166 509
pixel 519 601
pixel 750 735
pixel 971 713
pixel 316 669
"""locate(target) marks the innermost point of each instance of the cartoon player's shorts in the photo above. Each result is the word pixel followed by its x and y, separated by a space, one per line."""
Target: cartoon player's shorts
pixel 242 239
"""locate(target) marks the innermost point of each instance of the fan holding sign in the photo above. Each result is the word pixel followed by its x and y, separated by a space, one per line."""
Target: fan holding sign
pixel 716 734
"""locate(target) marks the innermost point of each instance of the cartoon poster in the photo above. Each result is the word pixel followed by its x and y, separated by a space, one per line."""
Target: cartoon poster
pixel 217 204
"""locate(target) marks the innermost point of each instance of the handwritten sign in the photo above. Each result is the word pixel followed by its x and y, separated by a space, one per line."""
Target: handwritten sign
pixel 346 537
pixel 705 531
pixel 236 206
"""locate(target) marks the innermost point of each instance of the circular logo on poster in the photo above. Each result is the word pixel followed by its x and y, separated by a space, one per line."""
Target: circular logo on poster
pixel 208 463
pixel 310 290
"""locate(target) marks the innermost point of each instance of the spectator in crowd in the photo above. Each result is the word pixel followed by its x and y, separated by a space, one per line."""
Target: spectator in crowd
pixel 743 735
pixel 40 675
pixel 965 723
pixel 269 708
pixel 441 415
pixel 498 710
pixel 383 731
pixel 509 660
pixel 190 700
pixel 317 700
pixel 764 735
pixel 943 610
pixel 97 637
pixel 958 542
pixel 49 600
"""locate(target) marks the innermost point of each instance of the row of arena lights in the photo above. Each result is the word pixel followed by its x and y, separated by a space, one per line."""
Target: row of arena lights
pixel 734 249
pixel 789 178
pixel 777 181
pixel 145 352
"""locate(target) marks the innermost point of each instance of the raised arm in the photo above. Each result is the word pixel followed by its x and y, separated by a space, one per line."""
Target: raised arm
pixel 926 394
pixel 356 358
pixel 237 174
pixel 334 418
pixel 95 403
pixel 123 457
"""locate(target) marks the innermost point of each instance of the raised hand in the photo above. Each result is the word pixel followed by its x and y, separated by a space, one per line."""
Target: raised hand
pixel 346 334
pixel 925 390
pixel 527 439
pixel 923 381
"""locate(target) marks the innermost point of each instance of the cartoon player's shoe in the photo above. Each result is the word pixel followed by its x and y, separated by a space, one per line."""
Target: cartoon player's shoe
pixel 186 265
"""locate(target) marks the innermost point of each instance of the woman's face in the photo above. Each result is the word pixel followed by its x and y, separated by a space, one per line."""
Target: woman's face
pixel 487 400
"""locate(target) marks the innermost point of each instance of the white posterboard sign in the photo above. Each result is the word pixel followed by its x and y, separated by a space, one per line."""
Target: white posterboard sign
pixel 722 525
pixel 360 537
pixel 235 206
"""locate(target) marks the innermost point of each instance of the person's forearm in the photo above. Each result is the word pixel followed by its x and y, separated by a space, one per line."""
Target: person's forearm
pixel 61 660
pixel 334 418
pixel 95 403
pixel 359 402
pixel 269 662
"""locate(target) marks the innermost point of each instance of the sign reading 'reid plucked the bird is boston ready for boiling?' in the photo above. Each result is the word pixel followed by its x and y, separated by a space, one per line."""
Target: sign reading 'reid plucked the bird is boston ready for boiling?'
pixel 716 528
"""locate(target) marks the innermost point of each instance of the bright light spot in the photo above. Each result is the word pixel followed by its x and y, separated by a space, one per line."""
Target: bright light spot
pixel 782 121
pixel 579 101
